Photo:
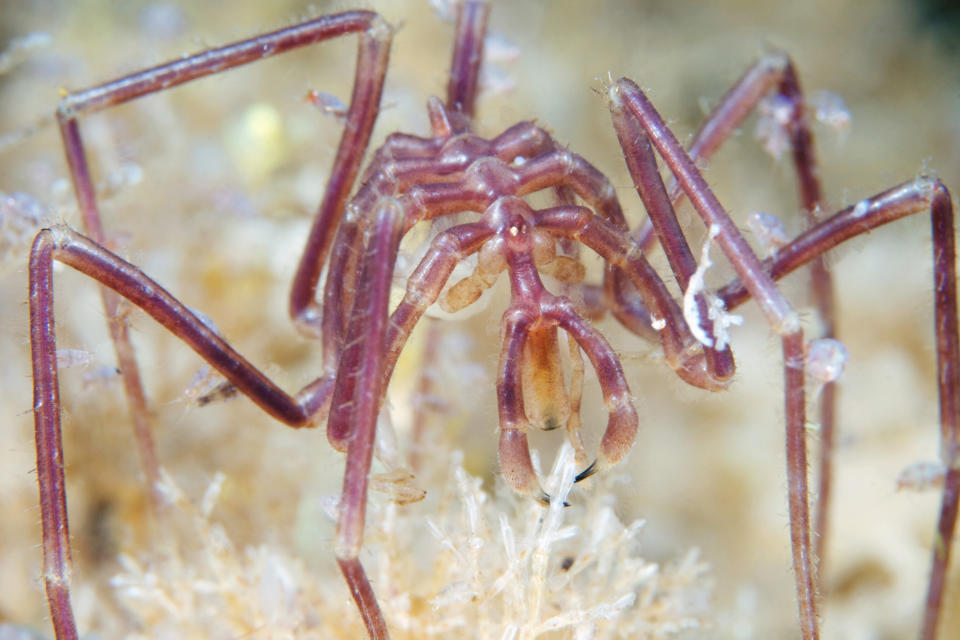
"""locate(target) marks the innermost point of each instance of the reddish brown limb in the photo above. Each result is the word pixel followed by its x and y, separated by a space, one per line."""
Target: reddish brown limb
pixel 870 213
pixel 622 424
pixel 372 55
pixel 821 283
pixel 642 164
pixel 116 323
pixel 940 562
pixel 371 58
pixel 86 256
pixel 467 58
pixel 798 492
pixel 356 402
pixel 948 378
pixel 366 599
pixel 46 413
pixel 627 100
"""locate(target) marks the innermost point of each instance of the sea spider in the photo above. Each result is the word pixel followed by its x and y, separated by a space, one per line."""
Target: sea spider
pixel 561 219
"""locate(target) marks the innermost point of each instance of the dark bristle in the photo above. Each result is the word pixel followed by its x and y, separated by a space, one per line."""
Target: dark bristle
pixel 586 473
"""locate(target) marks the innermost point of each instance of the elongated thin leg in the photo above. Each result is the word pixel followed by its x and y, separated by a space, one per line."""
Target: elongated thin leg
pixel 948 378
pixel 776 69
pixel 465 66
pixel 356 403
pixel 642 164
pixel 372 56
pixel 369 76
pixel 869 213
pixel 86 256
pixel 898 202
pixel 893 204
pixel 627 100
pixel 821 284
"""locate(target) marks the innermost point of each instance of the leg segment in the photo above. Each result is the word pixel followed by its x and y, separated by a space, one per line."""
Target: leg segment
pixel 948 377
pixel 646 176
pixel 776 70
pixel 373 49
pixel 626 101
pixel 88 257
pixel 893 204
pixel 356 403
pixel 465 66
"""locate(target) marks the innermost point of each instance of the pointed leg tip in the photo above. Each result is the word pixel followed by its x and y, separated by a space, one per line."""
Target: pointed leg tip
pixel 586 473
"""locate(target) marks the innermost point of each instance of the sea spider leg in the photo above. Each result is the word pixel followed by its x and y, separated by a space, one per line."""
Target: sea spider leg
pixel 514 450
pixel 373 52
pixel 371 64
pixel 356 402
pixel 360 382
pixel 464 79
pixel 775 70
pixel 85 255
pixel 643 168
pixel 904 200
pixel 628 101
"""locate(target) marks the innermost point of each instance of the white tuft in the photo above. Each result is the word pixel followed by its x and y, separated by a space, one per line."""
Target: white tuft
pixel 716 311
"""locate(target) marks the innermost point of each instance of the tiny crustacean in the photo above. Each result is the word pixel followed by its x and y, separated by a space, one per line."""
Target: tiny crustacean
pixel 355 240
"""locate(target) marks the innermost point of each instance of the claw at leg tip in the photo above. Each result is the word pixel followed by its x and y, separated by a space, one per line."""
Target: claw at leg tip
pixel 586 473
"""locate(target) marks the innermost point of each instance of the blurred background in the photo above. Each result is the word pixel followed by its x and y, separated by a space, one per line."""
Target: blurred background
pixel 210 189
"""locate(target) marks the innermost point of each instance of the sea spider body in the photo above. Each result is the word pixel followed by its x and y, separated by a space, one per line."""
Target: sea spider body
pixel 412 179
